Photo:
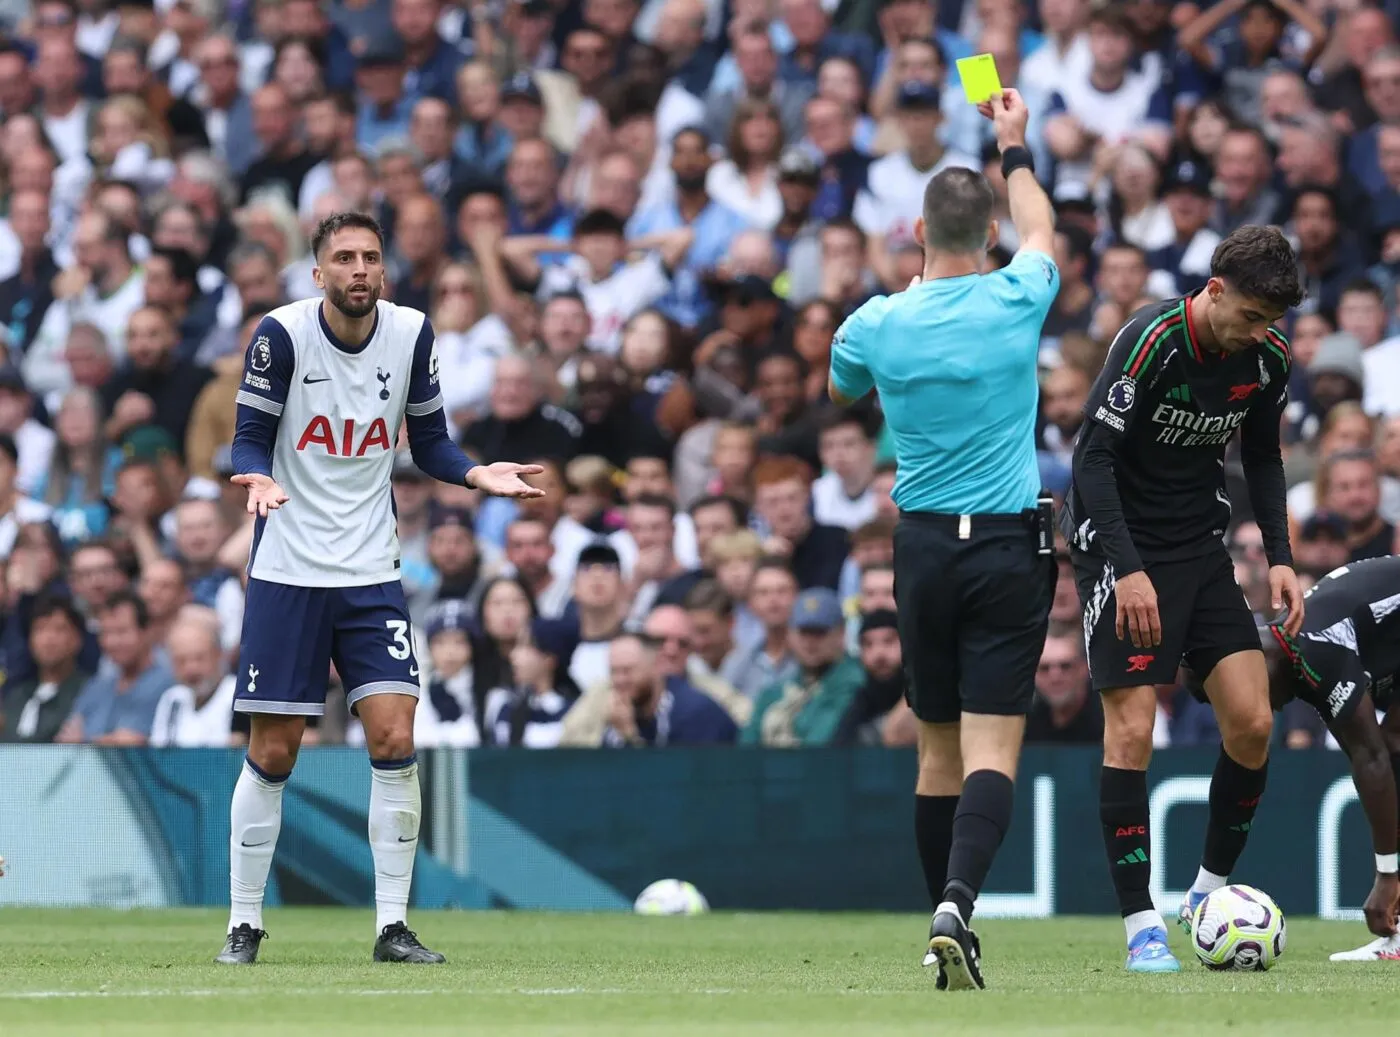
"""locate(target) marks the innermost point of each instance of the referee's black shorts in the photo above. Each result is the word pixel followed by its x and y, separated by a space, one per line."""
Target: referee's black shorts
pixel 973 612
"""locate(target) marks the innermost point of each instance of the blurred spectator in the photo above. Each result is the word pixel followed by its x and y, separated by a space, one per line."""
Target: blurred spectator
pixel 601 604
pixel 158 388
pixel 1321 545
pixel 1352 481
pixel 197 710
pixel 769 660
pixel 529 551
pixel 455 558
pixel 656 575
pixel 646 708
pixel 1063 392
pixel 529 711
pixel 783 501
pixel 1111 100
pixel 34 441
pixel 36 707
pixel 103 288
pixel 1183 721
pixel 16 509
pixel 885 682
pixel 27 293
pixel 446 713
pixel 1066 711
pixel 79 480
pixel 1244 172
pixel 521 424
pixel 163 592
pixel 807 709
pixel 842 496
pixel 713 652
pixel 118 706
pixel 757 63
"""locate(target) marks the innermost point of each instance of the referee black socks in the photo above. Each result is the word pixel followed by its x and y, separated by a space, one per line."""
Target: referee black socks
pixel 933 831
pixel 1123 812
pixel 982 818
pixel 1234 797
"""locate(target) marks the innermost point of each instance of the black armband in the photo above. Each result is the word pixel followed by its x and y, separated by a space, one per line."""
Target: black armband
pixel 1014 158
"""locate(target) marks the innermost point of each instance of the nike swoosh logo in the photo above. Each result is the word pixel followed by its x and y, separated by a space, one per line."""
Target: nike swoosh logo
pixel 308 380
pixel 251 845
pixel 413 671
pixel 408 838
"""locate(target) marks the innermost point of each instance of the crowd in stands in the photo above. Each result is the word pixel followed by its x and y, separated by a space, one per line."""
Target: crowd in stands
pixel 636 226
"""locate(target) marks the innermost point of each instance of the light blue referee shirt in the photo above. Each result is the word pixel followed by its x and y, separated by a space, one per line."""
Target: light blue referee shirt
pixel 955 363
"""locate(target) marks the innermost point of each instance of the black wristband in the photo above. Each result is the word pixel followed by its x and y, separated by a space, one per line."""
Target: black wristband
pixel 1016 157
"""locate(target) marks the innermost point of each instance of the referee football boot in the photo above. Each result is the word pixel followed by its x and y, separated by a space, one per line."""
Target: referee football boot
pixel 1148 952
pixel 931 958
pixel 241 947
pixel 400 943
pixel 956 949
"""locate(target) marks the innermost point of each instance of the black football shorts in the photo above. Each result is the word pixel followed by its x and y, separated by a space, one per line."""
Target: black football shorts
pixel 1202 609
pixel 973 613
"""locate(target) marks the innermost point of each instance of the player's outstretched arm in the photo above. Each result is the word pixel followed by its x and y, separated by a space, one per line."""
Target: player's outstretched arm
pixel 503 479
pixel 1360 735
pixel 267 374
pixel 432 448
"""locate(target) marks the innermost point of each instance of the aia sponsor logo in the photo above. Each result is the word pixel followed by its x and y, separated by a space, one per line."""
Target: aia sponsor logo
pixel 1139 663
pixel 353 441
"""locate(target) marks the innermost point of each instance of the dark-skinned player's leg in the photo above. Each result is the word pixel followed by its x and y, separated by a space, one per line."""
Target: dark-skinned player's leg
pixel 1382 948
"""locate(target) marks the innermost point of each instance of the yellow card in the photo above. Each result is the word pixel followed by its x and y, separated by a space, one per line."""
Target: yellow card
pixel 979 78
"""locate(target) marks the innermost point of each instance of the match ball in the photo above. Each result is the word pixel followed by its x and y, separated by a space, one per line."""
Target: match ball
pixel 1238 928
pixel 671 897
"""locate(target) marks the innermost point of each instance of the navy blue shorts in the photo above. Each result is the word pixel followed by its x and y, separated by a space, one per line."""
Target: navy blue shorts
pixel 291 635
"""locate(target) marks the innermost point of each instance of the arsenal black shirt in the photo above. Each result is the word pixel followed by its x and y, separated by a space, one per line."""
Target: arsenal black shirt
pixel 1149 463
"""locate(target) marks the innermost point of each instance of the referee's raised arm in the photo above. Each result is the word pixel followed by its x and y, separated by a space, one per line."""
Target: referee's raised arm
pixel 954 359
pixel 1032 213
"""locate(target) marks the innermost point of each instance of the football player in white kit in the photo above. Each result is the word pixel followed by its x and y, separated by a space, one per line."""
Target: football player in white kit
pixel 327 384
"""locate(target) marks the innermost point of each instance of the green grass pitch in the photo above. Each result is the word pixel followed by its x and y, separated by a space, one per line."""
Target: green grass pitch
pixel 149 974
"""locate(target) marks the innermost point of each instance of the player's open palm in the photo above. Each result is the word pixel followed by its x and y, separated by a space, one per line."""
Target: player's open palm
pixel 1137 610
pixel 504 479
pixel 1383 905
pixel 264 495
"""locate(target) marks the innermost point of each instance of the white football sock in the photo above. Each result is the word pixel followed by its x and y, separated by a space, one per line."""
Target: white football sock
pixel 1208 881
pixel 1140 920
pixel 395 805
pixel 255 819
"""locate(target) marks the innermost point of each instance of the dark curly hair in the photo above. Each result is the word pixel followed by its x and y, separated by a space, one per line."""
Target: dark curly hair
pixel 1258 263
pixel 340 221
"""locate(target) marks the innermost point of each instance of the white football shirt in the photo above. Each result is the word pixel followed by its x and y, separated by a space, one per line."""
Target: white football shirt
pixel 339 411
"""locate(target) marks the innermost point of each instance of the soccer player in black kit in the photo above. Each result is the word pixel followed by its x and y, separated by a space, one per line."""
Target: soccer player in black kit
pixel 1146 518
pixel 1344 663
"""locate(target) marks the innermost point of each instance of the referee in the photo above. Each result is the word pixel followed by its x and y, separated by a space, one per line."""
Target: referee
pixel 954 361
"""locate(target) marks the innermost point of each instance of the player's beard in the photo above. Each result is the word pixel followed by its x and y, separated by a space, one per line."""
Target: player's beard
pixel 350 305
